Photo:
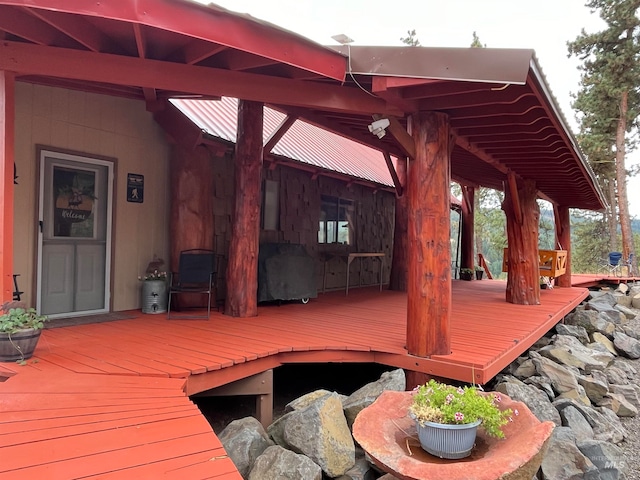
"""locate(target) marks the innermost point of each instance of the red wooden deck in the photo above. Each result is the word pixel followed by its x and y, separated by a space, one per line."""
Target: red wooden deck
pixel 108 399
pixel 593 279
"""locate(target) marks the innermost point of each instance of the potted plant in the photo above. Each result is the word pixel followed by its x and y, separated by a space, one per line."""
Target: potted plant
pixel 479 272
pixel 20 329
pixel 154 287
pixel 466 274
pixel 447 417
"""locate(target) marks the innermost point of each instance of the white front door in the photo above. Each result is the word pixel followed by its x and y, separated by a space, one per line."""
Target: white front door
pixel 74 241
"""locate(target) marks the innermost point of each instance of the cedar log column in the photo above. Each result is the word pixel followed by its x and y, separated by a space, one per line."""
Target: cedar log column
pixel 429 247
pixel 398 276
pixel 563 241
pixel 7 135
pixel 467 259
pixel 242 269
pixel 191 224
pixel 523 214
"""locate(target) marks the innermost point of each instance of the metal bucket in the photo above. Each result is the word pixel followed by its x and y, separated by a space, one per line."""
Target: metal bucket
pixel 154 296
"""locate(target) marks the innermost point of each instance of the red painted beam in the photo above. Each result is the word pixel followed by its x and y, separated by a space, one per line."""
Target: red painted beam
pixel 209 23
pixel 120 70
pixel 7 135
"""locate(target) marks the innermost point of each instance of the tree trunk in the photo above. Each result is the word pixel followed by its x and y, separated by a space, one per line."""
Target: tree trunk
pixel 612 218
pixel 398 276
pixel 242 269
pixel 563 241
pixel 467 259
pixel 192 221
pixel 621 180
pixel 523 279
pixel 478 232
pixel 429 252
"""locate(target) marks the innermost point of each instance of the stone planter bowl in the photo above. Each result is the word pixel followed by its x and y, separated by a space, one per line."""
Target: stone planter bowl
pixel 387 433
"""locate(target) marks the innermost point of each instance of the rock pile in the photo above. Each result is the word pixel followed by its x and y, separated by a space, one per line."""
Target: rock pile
pixel 311 441
pixel 576 376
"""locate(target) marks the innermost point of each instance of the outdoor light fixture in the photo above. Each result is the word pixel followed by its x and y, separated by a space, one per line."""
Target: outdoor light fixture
pixel 342 39
pixel 378 127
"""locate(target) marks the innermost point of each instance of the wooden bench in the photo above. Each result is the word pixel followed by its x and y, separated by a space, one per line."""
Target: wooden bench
pixel 551 263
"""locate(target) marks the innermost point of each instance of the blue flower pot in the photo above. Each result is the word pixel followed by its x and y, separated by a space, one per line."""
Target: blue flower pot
pixel 448 441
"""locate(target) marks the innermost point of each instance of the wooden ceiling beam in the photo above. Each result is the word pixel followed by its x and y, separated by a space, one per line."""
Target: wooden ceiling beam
pixel 120 70
pixel 278 133
pixel 403 138
pixel 74 27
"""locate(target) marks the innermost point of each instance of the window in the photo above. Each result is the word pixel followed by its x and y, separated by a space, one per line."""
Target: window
pixel 270 205
pixel 336 220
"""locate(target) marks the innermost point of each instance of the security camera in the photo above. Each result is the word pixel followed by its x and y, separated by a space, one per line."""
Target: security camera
pixel 378 127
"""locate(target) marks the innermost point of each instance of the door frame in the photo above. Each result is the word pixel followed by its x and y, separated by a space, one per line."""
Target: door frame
pixel 43 151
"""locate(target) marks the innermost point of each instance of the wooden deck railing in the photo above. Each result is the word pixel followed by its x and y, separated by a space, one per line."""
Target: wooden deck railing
pixel 551 263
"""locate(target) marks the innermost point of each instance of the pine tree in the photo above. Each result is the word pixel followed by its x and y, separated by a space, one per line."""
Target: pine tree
pixel 609 100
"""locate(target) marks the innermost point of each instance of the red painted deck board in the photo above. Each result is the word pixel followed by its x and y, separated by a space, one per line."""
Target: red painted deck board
pixel 107 400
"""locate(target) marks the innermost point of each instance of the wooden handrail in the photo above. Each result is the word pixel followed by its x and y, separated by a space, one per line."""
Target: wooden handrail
pixel 483 264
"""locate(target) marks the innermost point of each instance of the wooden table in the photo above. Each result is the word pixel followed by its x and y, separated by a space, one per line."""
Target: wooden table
pixel 349 258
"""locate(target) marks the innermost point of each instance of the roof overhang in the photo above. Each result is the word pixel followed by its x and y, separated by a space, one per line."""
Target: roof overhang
pixel 498 102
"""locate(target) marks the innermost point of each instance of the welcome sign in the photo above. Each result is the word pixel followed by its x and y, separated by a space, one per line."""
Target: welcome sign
pixel 74 198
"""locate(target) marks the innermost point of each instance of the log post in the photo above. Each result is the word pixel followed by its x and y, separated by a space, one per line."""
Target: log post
pixel 7 135
pixel 563 241
pixel 192 223
pixel 523 279
pixel 242 269
pixel 429 247
pixel 398 276
pixel 468 228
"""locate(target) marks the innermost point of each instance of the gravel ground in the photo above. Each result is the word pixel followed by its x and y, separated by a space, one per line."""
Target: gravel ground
pixel 631 445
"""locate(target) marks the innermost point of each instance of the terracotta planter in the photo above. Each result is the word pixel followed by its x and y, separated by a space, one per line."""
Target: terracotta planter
pixel 447 441
pixel 19 345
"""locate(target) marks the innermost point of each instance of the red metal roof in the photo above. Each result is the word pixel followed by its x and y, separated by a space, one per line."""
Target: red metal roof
pixel 303 142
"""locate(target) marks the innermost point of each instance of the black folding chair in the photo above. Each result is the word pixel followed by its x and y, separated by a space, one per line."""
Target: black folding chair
pixel 196 274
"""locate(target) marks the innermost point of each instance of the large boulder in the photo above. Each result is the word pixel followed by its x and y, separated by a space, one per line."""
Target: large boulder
pixel 629 347
pixel 579 425
pixel 576 331
pixel 365 396
pixel 605 424
pixel 608 458
pixel 320 432
pixel 244 440
pixel 537 401
pixel 564 461
pixel 277 463
pixel 562 379
pixel 619 405
pixel 603 340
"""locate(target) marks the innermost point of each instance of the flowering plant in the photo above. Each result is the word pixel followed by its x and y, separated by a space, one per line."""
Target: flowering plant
pixel 441 403
pixel 154 270
pixel 155 275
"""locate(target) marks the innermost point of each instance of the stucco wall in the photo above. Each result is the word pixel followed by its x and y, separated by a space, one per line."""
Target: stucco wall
pixel 89 124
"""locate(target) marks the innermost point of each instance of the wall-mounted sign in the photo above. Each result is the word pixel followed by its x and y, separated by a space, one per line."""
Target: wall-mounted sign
pixel 135 188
